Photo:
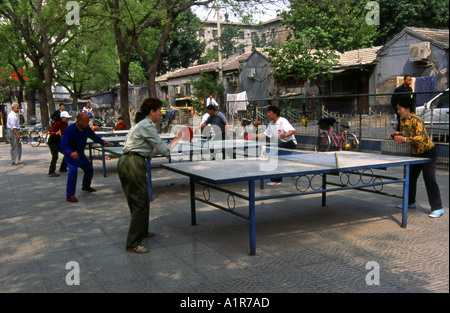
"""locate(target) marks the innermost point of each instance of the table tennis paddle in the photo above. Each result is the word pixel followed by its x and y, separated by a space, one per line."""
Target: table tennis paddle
pixel 249 136
pixel 186 133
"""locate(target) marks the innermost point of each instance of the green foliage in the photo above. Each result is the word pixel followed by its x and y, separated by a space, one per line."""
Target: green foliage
pixel 137 76
pixel 318 30
pixel 183 47
pixel 331 24
pixel 295 58
pixel 203 86
pixel 228 42
pixel 209 57
pixel 395 15
pixel 198 104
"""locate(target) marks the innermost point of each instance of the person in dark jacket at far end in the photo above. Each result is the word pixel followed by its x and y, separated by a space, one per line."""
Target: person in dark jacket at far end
pixel 405 87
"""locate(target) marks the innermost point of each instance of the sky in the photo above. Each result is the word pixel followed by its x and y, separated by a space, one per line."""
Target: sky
pixel 269 12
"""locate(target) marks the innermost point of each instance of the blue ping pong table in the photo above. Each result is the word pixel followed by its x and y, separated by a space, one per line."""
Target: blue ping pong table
pixel 284 163
pixel 191 151
pixel 116 148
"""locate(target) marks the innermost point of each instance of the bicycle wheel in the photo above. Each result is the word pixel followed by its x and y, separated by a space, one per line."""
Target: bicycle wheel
pixel 352 142
pixel 44 139
pixel 343 143
pixel 323 142
pixel 24 136
pixel 35 138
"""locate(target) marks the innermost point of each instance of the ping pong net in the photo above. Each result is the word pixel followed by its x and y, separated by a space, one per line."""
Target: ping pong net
pixel 326 159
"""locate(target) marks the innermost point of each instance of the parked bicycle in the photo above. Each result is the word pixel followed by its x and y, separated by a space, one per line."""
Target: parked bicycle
pixel 328 139
pixel 24 135
pixel 37 136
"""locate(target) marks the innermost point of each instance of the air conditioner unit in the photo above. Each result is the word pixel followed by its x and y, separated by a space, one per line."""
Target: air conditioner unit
pixel 419 52
pixel 251 73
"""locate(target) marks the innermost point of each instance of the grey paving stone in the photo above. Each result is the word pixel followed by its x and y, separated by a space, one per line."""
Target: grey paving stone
pixel 301 246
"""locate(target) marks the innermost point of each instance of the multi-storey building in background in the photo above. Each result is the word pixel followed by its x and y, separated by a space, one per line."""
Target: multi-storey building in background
pixel 266 33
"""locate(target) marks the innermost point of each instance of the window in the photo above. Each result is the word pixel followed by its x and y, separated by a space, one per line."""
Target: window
pixel 232 80
pixel 294 82
pixel 214 33
pixel 272 34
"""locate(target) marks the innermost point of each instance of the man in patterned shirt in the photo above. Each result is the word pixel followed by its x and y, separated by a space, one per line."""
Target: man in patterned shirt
pixel 413 132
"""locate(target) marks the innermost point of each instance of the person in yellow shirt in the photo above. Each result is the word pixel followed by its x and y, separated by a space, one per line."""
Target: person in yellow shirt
pixel 413 132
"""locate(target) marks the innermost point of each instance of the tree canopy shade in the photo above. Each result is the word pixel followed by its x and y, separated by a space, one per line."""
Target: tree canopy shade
pixel 49 26
pixel 183 47
pixel 319 29
pixel 330 24
pixel 59 38
pixel 131 22
pixel 95 51
pixel 44 29
pixel 396 15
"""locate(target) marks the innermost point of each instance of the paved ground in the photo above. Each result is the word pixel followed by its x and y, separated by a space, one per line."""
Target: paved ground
pixel 301 246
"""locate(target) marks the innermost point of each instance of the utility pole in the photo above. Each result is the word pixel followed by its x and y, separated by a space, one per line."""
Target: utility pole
pixel 219 44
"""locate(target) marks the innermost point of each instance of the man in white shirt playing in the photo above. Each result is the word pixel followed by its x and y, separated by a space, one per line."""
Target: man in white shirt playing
pixel 205 116
pixel 13 127
pixel 280 128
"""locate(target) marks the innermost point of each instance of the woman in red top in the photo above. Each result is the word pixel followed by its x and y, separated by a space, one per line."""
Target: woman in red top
pixel 54 141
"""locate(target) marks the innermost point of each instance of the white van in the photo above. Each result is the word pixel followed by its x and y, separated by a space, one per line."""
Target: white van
pixel 435 115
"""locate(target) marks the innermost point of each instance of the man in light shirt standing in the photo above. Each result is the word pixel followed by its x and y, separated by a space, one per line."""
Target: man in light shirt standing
pixel 212 101
pixel 13 127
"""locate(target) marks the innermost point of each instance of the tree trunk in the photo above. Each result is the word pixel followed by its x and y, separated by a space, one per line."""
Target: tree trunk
pixel 20 94
pixel 74 101
pixel 31 102
pixel 48 84
pixel 43 108
pixel 46 50
pixel 150 74
pixel 123 94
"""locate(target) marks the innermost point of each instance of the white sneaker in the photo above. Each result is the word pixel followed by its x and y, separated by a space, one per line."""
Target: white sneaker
pixel 273 183
pixel 437 213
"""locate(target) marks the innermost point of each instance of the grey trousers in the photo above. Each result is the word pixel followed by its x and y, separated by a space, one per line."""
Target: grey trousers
pixel 16 147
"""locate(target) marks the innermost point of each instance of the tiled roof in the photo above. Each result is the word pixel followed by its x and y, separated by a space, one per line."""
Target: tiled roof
pixel 227 65
pixel 358 57
pixel 437 37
